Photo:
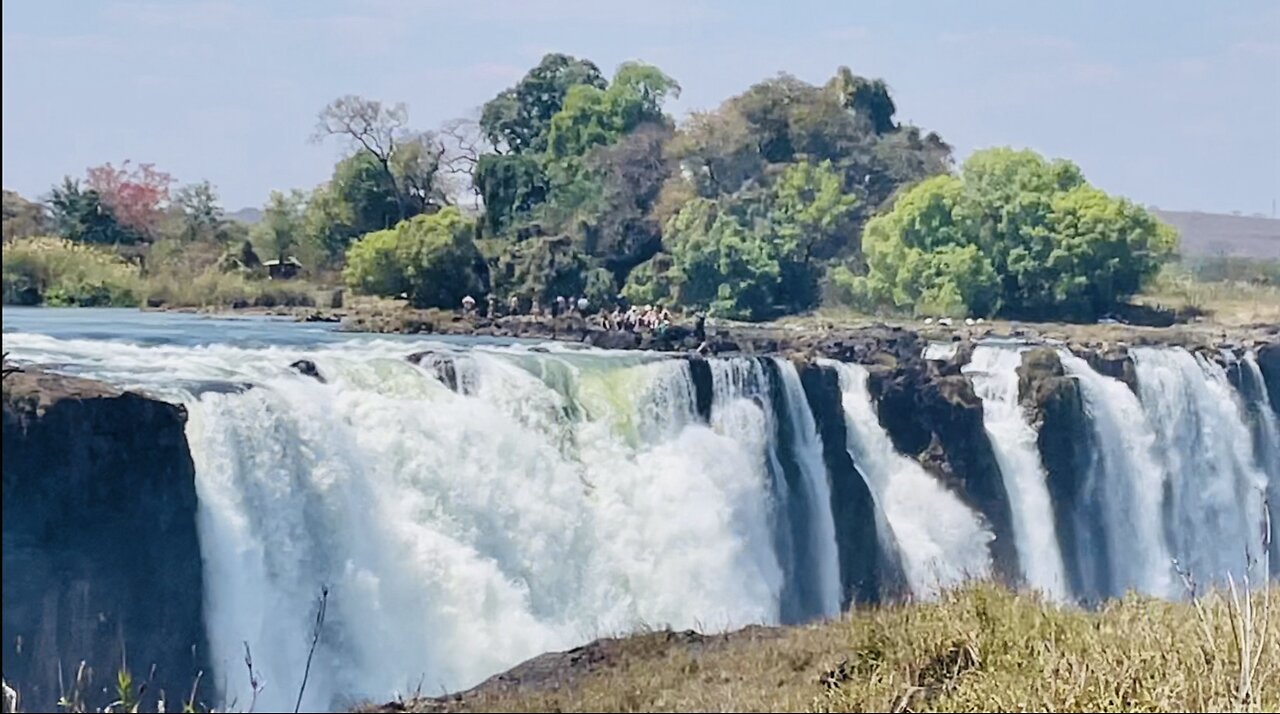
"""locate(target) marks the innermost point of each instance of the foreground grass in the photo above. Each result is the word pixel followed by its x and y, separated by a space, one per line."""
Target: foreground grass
pixel 981 649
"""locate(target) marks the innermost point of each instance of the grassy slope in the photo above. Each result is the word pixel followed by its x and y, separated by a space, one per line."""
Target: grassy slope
pixel 981 649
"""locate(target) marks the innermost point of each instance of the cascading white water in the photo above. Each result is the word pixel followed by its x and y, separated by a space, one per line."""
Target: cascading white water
pixel 807 447
pixel 568 497
pixel 1215 517
pixel 1123 488
pixel 745 406
pixel 942 542
pixel 995 379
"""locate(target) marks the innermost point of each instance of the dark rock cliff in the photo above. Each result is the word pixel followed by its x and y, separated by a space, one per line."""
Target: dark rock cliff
pixel 1269 364
pixel 101 558
pixel 932 413
pixel 1057 409
pixel 869 566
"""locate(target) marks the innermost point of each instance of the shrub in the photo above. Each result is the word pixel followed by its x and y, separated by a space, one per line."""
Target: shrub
pixel 58 272
pixel 433 258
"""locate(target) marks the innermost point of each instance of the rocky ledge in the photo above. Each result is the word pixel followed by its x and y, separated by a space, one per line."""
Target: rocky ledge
pixel 101 559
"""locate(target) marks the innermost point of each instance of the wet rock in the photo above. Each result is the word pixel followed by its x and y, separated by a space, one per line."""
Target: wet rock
pixel 614 339
pixel 1114 361
pixel 308 368
pixel 703 388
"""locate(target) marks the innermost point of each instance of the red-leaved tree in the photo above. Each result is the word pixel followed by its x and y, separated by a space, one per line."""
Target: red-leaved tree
pixel 136 196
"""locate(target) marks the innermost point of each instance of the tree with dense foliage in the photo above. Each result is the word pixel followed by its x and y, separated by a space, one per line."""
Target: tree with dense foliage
pixel 759 255
pixel 791 172
pixel 433 258
pixel 518 120
pixel 1013 234
pixel 79 215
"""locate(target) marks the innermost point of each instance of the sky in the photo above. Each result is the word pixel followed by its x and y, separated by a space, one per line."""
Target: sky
pixel 1172 103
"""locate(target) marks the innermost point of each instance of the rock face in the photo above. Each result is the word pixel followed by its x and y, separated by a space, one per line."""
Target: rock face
pixel 932 413
pixel 869 569
pixel 1269 364
pixel 1057 408
pixel 101 557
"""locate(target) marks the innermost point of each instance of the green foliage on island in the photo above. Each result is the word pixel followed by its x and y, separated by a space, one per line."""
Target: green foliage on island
pixel 574 183
pixel 1012 234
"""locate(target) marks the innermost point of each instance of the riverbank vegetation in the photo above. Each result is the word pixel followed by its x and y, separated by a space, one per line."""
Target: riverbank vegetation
pixel 786 198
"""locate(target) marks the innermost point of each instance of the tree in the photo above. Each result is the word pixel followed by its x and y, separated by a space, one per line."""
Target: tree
pixel 137 197
pixel 416 165
pixel 79 215
pixel 23 218
pixel 542 267
pixel 592 116
pixel 1015 235
pixel 629 175
pixel 370 127
pixel 278 233
pixel 511 186
pixel 431 257
pixel 201 212
pixel 518 119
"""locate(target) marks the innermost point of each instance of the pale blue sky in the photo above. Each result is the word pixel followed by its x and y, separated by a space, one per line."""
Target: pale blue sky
pixel 1172 103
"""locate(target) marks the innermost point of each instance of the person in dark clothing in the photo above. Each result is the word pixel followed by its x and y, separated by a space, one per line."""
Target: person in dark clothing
pixel 700 325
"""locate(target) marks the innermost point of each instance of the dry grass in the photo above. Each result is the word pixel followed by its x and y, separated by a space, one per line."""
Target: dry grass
pixel 980 649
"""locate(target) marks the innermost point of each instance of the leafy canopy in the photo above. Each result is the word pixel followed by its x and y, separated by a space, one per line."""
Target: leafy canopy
pixel 1013 234
pixel 433 258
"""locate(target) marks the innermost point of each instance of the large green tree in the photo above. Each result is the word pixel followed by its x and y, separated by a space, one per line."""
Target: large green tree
pixel 518 119
pixel 1013 234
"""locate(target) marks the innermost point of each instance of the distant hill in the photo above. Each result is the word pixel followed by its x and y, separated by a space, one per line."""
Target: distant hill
pixel 248 216
pixel 1207 235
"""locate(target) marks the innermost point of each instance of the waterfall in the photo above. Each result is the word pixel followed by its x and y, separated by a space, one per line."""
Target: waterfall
pixel 942 541
pixel 1214 515
pixel 995 379
pixel 1122 492
pixel 760 403
pixel 824 560
pixel 1266 442
pixel 564 500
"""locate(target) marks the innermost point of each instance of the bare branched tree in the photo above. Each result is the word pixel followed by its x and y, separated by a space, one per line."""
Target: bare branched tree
pixel 368 125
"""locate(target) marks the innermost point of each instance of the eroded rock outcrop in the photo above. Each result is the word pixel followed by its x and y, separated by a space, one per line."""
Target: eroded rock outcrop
pixel 869 567
pixel 933 414
pixel 101 557
pixel 1056 406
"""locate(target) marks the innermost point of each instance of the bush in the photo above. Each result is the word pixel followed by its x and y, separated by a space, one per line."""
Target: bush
pixel 58 272
pixel 432 258
pixel 1016 235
